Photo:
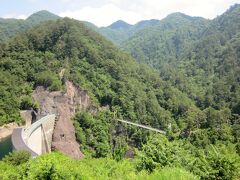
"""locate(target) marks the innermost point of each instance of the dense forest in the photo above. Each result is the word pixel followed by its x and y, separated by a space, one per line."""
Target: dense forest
pixel 198 56
pixel 10 27
pixel 193 95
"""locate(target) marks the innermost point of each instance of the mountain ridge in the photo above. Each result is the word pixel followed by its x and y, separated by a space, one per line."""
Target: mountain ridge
pixel 120 24
pixel 193 96
pixel 10 27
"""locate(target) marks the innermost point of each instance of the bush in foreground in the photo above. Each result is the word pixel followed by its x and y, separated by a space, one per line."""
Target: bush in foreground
pixel 58 166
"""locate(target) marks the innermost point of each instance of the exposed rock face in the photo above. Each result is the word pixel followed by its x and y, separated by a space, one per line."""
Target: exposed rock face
pixel 27 115
pixel 64 106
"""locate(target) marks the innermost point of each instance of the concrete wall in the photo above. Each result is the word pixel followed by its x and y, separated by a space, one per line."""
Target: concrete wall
pixel 37 138
pixel 34 142
pixel 47 132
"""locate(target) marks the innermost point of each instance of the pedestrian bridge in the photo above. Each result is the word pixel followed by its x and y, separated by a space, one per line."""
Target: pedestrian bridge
pixel 37 138
pixel 142 126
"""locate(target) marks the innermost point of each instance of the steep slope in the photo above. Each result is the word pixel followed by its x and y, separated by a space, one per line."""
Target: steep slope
pixel 197 56
pixel 56 53
pixel 166 41
pixel 64 106
pixel 209 71
pixel 200 58
pixel 113 79
pixel 10 27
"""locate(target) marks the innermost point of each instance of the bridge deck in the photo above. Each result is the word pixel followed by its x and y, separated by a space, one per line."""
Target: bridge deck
pixel 142 126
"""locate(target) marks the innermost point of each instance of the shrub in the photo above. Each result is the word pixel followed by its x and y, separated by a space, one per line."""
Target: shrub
pixel 17 157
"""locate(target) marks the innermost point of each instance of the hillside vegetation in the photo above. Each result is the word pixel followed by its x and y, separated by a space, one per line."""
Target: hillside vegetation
pixel 10 27
pixel 120 31
pixel 58 166
pixel 199 57
pixel 200 139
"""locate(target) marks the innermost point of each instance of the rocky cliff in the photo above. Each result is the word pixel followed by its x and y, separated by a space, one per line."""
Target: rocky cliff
pixel 64 105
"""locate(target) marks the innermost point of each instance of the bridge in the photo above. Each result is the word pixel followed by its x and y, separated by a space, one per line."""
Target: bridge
pixel 36 138
pixel 142 126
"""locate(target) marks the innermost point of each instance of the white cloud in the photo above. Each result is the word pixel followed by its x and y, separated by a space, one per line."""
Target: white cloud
pixel 104 15
pixel 136 10
pixel 21 17
pixel 204 8
pixel 15 16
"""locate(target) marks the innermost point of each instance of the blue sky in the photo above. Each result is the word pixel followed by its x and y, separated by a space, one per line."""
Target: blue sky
pixel 104 12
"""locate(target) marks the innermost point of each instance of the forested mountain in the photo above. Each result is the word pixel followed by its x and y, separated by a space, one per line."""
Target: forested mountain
pixel 210 68
pixel 119 25
pixel 197 56
pixel 134 91
pixel 166 41
pixel 120 31
pixel 10 27
pixel 193 94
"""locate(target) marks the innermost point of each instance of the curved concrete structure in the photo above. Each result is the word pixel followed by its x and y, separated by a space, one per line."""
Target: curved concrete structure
pixel 37 138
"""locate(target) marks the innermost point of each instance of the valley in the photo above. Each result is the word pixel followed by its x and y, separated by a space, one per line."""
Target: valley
pixel 114 88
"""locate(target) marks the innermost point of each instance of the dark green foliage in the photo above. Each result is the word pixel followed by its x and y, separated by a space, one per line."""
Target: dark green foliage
pixel 215 162
pixel 93 133
pixel 48 79
pixel 16 158
pixel 120 148
pixel 197 56
pixel 195 98
pixel 200 58
pixel 27 103
pixel 20 71
pixel 165 41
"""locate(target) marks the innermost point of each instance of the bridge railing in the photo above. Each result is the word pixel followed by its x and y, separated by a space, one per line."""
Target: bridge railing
pixel 142 126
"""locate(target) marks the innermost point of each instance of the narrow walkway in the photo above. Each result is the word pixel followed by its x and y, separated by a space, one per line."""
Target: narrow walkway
pixel 142 126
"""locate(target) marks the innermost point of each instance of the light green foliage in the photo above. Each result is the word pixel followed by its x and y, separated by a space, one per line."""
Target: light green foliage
pixel 218 162
pixel 8 171
pixel 17 157
pixel 93 133
pixel 58 166
pixel 171 174
pixel 200 58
